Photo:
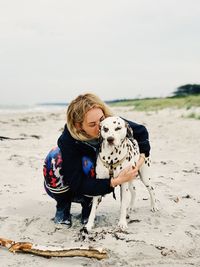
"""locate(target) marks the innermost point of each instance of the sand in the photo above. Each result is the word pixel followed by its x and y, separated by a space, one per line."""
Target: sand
pixel 169 237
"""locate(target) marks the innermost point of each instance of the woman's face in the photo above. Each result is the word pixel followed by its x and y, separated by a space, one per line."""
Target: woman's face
pixel 91 122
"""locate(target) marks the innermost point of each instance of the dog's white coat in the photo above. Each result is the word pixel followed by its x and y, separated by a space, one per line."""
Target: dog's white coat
pixel 117 152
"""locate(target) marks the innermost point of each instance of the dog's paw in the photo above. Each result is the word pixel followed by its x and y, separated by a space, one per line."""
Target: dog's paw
pixel 88 227
pixel 83 230
pixel 122 225
pixel 154 208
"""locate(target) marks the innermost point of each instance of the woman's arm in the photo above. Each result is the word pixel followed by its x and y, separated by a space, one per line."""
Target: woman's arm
pixel 94 187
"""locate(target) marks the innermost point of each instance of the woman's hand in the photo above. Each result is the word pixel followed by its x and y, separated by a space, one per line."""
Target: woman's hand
pixel 125 175
pixel 128 173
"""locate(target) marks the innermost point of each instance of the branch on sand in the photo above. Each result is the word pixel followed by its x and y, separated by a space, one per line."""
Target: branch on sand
pixel 49 252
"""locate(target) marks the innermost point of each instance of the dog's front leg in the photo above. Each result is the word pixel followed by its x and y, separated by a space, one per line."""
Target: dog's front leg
pixel 91 219
pixel 125 200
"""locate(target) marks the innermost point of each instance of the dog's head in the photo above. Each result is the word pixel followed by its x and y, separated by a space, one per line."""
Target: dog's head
pixel 113 130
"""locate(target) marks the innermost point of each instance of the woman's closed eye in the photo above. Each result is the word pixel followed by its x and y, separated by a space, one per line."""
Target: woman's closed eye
pixel 94 124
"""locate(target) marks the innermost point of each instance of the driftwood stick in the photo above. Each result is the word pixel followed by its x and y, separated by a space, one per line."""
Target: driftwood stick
pixel 47 251
pixel 10 138
pixel 6 242
pixel 20 138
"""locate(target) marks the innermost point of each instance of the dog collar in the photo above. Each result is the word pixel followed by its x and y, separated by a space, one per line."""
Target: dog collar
pixel 112 166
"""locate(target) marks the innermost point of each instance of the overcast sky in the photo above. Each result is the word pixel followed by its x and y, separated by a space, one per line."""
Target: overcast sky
pixel 53 50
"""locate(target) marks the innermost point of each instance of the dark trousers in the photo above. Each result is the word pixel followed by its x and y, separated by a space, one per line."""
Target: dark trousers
pixel 64 200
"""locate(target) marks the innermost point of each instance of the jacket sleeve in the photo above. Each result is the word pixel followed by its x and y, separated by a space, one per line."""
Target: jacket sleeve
pixel 95 187
pixel 141 134
pixel 73 173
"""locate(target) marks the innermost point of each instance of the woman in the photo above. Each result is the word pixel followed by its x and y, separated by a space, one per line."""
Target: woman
pixel 69 169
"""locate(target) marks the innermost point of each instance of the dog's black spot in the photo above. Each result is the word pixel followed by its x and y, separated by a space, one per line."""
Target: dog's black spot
pixel 116 158
pixel 128 158
pixel 117 129
pixel 119 152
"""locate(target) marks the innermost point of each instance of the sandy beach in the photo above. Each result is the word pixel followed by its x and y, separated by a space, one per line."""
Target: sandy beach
pixel 169 237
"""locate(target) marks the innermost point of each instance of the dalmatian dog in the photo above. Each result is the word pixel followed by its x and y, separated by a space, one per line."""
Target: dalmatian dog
pixel 118 150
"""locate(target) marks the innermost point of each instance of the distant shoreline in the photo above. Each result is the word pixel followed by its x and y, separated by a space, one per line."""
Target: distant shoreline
pixel 190 103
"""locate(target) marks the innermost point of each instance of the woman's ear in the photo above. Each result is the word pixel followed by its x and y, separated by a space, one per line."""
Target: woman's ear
pixel 78 126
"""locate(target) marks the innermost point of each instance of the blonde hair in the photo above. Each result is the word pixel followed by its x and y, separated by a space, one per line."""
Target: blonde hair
pixel 78 108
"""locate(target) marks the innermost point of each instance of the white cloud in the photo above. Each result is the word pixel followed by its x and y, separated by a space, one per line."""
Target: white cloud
pixel 141 47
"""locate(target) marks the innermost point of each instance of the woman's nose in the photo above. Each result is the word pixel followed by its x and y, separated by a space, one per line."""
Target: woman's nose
pixel 98 126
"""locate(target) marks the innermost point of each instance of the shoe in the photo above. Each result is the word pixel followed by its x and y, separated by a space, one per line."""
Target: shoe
pixel 84 220
pixel 67 222
pixel 62 218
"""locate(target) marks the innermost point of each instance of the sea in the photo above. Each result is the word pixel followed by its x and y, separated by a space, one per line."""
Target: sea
pixel 32 108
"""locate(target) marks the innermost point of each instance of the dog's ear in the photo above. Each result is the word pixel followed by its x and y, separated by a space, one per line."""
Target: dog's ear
pixel 100 136
pixel 100 139
pixel 129 133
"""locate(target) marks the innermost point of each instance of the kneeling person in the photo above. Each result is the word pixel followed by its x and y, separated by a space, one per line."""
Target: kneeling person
pixel 56 188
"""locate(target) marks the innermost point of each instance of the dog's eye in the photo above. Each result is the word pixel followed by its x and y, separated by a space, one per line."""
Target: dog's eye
pixel 118 128
pixel 105 129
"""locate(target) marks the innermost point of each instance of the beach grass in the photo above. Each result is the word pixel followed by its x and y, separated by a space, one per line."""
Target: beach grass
pixel 155 104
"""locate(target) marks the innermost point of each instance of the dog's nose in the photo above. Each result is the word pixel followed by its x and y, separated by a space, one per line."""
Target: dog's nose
pixel 110 139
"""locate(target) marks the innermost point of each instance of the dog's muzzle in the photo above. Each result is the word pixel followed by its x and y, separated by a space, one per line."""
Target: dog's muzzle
pixel 110 140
